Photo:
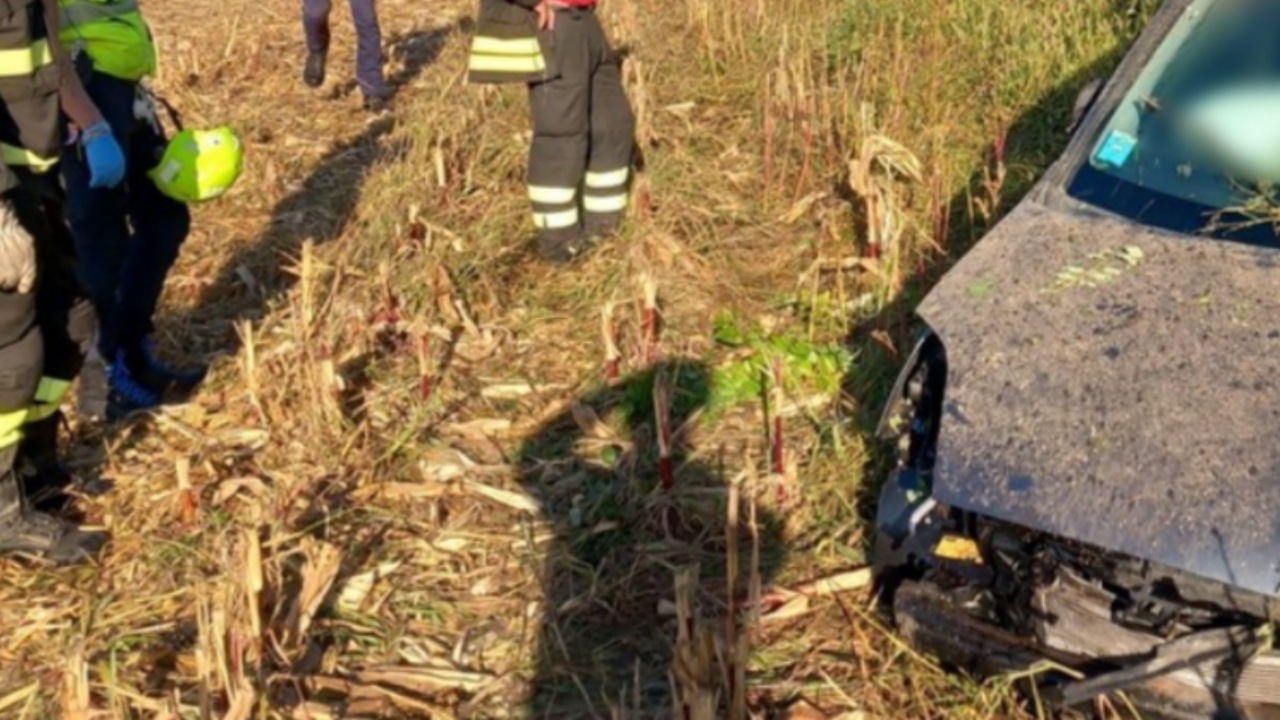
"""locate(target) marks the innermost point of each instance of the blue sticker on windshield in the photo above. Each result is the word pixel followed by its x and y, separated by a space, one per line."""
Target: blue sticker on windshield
pixel 1117 149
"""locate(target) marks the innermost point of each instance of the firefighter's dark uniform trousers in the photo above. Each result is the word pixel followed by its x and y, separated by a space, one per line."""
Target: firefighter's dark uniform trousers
pixel 580 162
pixel 43 335
pixel 583 127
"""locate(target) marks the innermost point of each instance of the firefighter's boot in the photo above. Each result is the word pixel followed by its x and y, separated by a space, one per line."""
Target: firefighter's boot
pixel 47 482
pixel 27 532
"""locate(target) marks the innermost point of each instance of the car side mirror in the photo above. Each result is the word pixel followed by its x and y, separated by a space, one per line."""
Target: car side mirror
pixel 1084 102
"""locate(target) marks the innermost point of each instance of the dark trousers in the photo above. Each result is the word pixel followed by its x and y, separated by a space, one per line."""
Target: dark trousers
pixel 583 131
pixel 364 14
pixel 44 335
pixel 127 237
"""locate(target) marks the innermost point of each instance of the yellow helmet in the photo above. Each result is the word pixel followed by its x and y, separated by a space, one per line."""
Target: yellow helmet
pixel 199 165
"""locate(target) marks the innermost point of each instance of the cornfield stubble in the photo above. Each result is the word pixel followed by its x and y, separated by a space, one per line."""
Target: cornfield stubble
pixel 411 484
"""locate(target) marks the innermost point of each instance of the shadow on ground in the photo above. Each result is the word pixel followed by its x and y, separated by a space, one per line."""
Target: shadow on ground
pixel 603 645
pixel 319 211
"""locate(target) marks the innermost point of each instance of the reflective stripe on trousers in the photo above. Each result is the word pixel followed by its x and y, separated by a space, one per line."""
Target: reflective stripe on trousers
pixel 11 428
pixel 556 220
pixel 554 208
pixel 49 396
pixel 606 192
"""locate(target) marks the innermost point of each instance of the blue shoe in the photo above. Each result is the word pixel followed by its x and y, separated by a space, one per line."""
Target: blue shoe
pixel 160 376
pixel 127 395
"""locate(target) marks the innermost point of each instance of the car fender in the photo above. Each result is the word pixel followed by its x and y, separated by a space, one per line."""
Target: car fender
pixel 928 341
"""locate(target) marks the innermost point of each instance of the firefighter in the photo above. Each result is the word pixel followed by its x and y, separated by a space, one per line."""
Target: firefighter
pixel 127 237
pixel 46 322
pixel 364 13
pixel 580 161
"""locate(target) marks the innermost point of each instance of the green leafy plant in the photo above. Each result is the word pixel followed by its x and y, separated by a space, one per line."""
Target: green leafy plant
pixel 808 368
pixel 821 312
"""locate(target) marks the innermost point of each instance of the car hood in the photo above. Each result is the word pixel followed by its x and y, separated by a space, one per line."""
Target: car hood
pixel 1135 408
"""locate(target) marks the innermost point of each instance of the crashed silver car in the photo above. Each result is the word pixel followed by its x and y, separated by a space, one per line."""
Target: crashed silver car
pixel 1087 480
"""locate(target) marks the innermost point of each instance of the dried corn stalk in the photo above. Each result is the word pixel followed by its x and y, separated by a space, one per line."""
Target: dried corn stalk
pixel 75 689
pixel 649 320
pixel 318 575
pixel 877 173
pixel 186 494
pixel 694 670
pixel 662 420
pixel 612 358
pixel 736 670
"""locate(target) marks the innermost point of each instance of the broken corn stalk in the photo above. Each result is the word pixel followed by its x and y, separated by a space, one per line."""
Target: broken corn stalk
pixel 662 420
pixel 694 666
pixel 426 377
pixel 186 494
pixel 649 319
pixel 389 314
pixel 735 672
pixel 777 452
pixel 255 581
pixel 612 358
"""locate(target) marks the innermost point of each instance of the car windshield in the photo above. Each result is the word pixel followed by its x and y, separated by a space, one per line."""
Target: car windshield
pixel 1195 144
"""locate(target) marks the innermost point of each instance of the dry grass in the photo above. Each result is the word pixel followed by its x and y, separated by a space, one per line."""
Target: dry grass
pixel 412 489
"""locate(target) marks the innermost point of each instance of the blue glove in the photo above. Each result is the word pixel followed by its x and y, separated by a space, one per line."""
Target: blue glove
pixel 104 156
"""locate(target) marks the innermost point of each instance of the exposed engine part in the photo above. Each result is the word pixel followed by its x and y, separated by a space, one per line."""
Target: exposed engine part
pixel 1180 646
pixel 1227 649
pixel 944 623
pixel 1125 625
pixel 907 515
pixel 1145 596
pixel 912 416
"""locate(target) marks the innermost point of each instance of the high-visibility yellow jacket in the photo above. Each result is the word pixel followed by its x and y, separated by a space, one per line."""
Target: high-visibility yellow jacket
pixel 112 33
pixel 507 46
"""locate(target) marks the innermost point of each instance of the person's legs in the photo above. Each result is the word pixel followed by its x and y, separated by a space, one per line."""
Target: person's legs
pixel 63 310
pixel 98 217
pixel 604 196
pixel 34 371
pixel 315 27
pixel 21 355
pixel 561 129
pixel 68 323
pixel 160 226
pixel 364 14
pixel 100 228
pixel 557 159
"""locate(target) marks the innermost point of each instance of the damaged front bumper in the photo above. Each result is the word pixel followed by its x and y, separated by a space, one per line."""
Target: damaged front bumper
pixel 991 598
pixel 1079 621
pixel 938 622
